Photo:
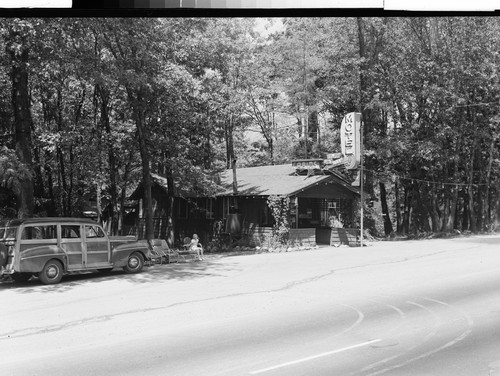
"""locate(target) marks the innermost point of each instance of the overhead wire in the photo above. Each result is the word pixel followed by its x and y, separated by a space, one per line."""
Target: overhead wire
pixel 428 182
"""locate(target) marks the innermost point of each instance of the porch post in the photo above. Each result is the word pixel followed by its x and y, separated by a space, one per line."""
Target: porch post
pixel 296 212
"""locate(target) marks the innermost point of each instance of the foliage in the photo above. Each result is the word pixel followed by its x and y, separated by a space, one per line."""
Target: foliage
pixel 13 173
pixel 280 210
pixel 103 101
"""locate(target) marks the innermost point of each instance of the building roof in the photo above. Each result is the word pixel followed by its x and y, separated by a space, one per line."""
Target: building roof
pixel 266 181
pixel 159 180
pixel 276 180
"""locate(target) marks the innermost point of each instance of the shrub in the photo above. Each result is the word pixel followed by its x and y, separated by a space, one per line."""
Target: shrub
pixel 280 207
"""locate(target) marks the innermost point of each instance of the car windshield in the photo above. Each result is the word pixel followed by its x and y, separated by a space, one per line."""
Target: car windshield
pixel 8 233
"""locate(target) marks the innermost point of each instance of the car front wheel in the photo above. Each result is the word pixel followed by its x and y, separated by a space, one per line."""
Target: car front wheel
pixel 51 273
pixel 135 263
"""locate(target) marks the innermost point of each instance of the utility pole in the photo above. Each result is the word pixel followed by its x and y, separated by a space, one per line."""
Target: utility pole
pixel 361 178
pixel 351 139
pixel 306 118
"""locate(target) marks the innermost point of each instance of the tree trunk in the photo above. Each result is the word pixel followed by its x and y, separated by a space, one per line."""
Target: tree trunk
pixel 434 210
pixel 369 49
pixel 271 150
pixel 450 220
pixel 22 120
pixel 465 214
pixel 362 72
pixel 385 210
pixel 60 156
pixel 70 185
pixel 486 213
pixel 113 190
pixel 78 115
pixel 399 224
pixel 39 188
pixel 123 196
pixel 472 213
pixel 62 182
pixel 422 214
pixel 207 155
pixel 479 211
pixel 231 158
pixel 170 226
pixel 142 132
pixel 235 180
pixel 52 210
pixel 407 209
pixel 228 134
pixel 496 213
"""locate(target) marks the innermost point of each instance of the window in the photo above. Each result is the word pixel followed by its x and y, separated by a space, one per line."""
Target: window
pixel 70 231
pixel 229 205
pixel 8 233
pixel 94 232
pixel 209 208
pixel 39 232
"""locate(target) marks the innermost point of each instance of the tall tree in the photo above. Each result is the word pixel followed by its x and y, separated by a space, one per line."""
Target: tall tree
pixel 136 48
pixel 20 34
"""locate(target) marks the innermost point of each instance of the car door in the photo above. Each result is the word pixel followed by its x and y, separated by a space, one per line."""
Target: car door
pixel 72 245
pixel 97 247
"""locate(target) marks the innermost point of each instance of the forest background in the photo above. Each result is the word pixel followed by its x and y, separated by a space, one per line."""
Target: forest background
pixel 92 106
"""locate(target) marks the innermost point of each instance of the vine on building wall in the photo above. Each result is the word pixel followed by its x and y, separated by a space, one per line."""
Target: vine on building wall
pixel 280 207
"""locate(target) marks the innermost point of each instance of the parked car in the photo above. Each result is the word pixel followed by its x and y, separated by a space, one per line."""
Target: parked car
pixel 52 247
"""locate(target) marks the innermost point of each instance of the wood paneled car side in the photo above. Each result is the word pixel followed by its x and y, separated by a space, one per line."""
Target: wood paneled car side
pixel 51 247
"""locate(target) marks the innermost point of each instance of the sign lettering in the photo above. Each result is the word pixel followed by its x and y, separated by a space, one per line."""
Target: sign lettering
pixel 350 138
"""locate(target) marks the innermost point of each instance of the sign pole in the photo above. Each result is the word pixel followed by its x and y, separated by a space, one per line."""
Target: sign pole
pixel 351 140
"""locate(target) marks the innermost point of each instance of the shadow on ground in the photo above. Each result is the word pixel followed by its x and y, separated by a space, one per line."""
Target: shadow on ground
pixel 156 273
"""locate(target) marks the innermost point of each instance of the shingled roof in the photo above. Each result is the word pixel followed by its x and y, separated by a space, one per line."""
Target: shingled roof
pixel 276 180
pixel 266 181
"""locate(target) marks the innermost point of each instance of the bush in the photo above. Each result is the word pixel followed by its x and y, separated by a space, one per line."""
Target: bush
pixel 280 207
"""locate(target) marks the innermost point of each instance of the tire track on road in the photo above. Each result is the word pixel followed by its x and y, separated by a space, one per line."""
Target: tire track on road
pixel 462 315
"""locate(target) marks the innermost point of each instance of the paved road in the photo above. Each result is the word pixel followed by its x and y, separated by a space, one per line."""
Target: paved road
pixel 393 308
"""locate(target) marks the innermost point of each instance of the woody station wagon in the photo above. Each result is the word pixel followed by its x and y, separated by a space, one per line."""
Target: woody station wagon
pixel 51 247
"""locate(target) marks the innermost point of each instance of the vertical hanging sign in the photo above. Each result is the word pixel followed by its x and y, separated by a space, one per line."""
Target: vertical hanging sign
pixel 350 139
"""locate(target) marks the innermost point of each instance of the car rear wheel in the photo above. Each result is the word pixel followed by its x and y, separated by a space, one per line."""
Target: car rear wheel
pixel 135 263
pixel 51 273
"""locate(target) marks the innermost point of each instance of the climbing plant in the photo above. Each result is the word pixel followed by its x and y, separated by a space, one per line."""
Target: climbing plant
pixel 280 207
